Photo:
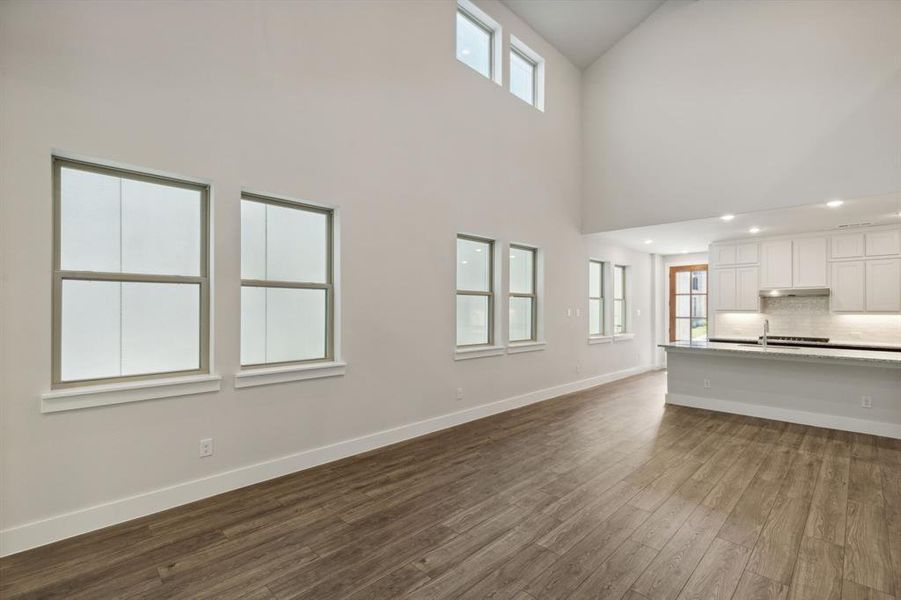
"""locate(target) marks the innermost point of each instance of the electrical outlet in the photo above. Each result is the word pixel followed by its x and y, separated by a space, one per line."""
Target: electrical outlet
pixel 578 312
pixel 866 401
pixel 206 447
pixel 569 312
pixel 459 393
pixel 706 384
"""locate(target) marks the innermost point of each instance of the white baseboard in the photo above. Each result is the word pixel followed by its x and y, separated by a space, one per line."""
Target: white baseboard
pixel 801 417
pixel 38 533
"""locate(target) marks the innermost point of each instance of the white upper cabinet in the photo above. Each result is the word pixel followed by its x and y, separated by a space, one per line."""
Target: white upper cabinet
pixel 746 254
pixel 883 243
pixel 776 264
pixel 747 288
pixel 725 289
pixel 809 262
pixel 848 286
pixel 848 245
pixel 724 255
pixel 883 285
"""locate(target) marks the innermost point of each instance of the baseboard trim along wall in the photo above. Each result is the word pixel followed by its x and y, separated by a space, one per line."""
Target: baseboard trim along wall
pixel 801 417
pixel 59 527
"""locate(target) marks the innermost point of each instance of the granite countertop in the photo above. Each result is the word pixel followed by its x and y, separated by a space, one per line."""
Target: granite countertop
pixel 883 358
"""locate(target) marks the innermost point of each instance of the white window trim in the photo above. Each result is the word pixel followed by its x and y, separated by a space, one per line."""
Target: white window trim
pixel 283 374
pixel 600 339
pixel 623 337
pixel 497 64
pixel 128 391
pixel 539 343
pixel 499 250
pixel 538 60
pixel 478 352
pixel 520 347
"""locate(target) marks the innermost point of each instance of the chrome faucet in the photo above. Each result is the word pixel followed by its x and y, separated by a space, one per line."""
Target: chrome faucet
pixel 766 331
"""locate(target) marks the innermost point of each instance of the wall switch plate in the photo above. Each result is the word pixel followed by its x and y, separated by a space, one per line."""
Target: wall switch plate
pixel 206 447
pixel 578 312
pixel 459 393
pixel 866 402
pixel 706 384
pixel 569 312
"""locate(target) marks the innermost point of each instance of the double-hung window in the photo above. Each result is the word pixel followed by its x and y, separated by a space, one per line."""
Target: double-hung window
pixel 287 297
pixel 620 314
pixel 475 291
pixel 596 319
pixel 523 296
pixel 131 275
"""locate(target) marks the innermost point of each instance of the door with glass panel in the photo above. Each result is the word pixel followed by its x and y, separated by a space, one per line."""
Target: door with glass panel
pixel 688 303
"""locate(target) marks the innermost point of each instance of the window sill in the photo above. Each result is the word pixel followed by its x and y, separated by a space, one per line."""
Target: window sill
pixel 478 352
pixel 519 347
pixel 600 339
pixel 284 374
pixel 132 391
pixel 623 337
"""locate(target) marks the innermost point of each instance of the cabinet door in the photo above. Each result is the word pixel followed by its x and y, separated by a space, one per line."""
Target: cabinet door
pixel 725 289
pixel 809 267
pixel 884 285
pixel 848 286
pixel 747 296
pixel 849 245
pixel 724 254
pixel 883 243
pixel 746 254
pixel 776 264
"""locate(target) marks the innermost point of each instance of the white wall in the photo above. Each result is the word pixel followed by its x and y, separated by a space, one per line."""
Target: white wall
pixel 359 104
pixel 711 107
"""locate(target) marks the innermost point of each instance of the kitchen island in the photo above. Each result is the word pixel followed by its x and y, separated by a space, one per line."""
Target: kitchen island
pixel 839 388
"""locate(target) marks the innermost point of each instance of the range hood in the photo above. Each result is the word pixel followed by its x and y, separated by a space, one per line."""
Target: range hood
pixel 793 292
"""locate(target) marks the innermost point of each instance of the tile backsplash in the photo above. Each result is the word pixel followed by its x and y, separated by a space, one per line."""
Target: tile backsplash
pixel 810 316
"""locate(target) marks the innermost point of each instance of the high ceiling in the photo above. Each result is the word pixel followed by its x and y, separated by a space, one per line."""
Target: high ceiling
pixel 583 29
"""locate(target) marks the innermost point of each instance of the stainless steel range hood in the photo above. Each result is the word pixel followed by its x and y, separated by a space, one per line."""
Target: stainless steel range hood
pixel 792 292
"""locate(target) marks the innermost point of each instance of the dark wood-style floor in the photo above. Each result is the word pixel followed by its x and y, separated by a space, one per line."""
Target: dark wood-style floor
pixel 601 494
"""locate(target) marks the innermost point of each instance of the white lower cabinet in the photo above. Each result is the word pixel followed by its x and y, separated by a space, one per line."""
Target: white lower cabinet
pixel 848 286
pixel 883 285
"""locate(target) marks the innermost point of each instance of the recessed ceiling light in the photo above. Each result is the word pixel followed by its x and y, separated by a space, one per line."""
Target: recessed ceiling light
pixel 649 241
pixel 685 252
pixel 727 217
pixel 835 203
pixel 754 230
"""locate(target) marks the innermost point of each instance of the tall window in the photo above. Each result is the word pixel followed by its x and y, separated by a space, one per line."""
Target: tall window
pixel 523 298
pixel 522 75
pixel 286 282
pixel 688 303
pixel 475 41
pixel 475 291
pixel 131 282
pixel 620 316
pixel 595 298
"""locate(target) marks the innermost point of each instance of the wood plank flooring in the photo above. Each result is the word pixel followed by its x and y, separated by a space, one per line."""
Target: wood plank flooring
pixel 605 494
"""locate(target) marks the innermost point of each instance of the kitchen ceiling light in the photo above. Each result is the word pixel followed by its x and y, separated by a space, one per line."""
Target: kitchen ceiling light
pixel 835 203
pixel 727 217
pixel 754 230
pixel 649 241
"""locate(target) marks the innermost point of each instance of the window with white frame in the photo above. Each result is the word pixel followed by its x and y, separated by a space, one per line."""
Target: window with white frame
pixel 523 294
pixel 526 73
pixel 287 294
pixel 620 314
pixel 131 275
pixel 596 298
pixel 475 291
pixel 478 40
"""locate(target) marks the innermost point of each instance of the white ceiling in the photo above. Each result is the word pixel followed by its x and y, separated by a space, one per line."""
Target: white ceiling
pixel 582 30
pixel 695 236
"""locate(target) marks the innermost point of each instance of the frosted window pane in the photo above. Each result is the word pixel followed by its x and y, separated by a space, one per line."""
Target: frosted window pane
pixel 253 325
pixel 520 319
pixel 90 330
pixel 472 320
pixel 594 280
pixel 682 330
pixel 89 221
pixel 594 317
pixel 522 78
pixel 160 327
pixel 522 264
pixel 473 265
pixel 295 324
pixel 160 229
pixel 682 306
pixel 253 240
pixel 473 45
pixel 699 282
pixel 699 306
pixel 295 244
pixel 619 282
pixel 682 282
